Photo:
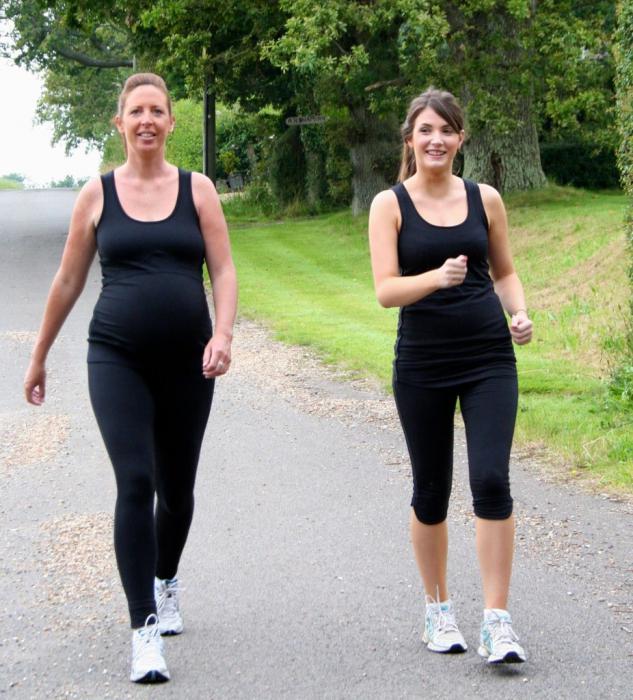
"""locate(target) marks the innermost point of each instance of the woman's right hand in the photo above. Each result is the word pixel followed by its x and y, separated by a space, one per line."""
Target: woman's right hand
pixel 452 272
pixel 35 383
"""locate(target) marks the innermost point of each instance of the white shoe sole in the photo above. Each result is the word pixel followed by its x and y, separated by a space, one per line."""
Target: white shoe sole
pixel 456 648
pixel 511 657
pixel 170 629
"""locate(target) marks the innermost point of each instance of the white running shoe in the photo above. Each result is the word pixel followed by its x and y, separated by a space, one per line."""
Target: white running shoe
pixel 148 662
pixel 441 633
pixel 168 606
pixel 499 644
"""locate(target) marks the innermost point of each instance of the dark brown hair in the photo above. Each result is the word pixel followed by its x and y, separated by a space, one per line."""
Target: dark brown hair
pixel 441 102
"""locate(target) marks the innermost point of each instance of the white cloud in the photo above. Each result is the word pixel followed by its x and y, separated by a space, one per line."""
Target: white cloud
pixel 26 148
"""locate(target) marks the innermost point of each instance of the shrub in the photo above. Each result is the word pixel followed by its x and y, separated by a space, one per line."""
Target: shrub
pixel 580 164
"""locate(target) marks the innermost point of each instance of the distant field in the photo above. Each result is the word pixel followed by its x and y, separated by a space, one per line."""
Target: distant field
pixel 310 281
pixel 6 184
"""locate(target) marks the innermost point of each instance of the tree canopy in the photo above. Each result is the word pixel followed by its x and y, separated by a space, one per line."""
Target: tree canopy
pixel 522 68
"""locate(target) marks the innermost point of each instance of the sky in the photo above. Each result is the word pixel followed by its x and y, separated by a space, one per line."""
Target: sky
pixel 25 148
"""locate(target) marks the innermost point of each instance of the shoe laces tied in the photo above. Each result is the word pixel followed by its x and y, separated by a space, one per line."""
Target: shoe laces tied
pixel 501 629
pixel 168 598
pixel 149 635
pixel 444 618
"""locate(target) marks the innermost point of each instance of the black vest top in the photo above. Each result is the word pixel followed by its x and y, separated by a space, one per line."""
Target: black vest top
pixel 152 307
pixel 458 334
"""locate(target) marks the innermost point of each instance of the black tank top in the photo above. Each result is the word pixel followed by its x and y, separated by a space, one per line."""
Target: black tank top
pixel 458 334
pixel 152 307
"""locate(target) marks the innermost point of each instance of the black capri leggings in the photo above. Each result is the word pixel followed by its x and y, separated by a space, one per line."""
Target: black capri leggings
pixel 152 422
pixel 488 408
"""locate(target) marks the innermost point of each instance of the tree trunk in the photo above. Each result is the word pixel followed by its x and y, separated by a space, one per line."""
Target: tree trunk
pixel 508 162
pixel 373 153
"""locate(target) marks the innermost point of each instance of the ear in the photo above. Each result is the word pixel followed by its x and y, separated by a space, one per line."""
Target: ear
pixel 118 122
pixel 173 124
pixel 462 137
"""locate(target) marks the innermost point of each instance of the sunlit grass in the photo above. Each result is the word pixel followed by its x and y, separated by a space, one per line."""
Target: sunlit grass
pixel 310 281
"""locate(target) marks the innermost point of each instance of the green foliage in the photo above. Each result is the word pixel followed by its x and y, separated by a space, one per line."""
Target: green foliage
pixel 566 243
pixel 623 377
pixel 7 183
pixel 287 167
pixel 69 182
pixel 580 165
pixel 16 177
pixel 624 86
pixel 184 146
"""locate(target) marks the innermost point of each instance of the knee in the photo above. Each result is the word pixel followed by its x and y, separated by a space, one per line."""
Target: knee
pixel 136 489
pixel 176 504
pixel 492 499
pixel 430 508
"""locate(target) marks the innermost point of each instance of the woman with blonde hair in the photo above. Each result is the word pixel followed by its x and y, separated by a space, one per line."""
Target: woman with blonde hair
pixel 153 355
pixel 440 251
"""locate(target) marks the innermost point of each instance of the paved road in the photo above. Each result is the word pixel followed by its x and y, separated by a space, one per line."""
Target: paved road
pixel 299 578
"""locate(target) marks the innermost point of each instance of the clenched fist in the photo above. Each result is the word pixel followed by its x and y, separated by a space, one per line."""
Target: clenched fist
pixel 453 272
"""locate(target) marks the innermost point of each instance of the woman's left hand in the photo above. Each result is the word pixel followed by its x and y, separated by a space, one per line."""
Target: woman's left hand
pixel 216 358
pixel 521 328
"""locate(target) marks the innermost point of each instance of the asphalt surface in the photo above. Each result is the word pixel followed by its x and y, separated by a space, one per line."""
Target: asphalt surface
pixel 299 578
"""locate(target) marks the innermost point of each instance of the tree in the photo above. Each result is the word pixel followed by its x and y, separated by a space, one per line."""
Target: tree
pixel 512 62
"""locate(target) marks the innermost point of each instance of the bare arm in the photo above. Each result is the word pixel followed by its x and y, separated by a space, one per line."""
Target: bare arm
pixel 507 283
pixel 217 354
pixel 67 285
pixel 392 289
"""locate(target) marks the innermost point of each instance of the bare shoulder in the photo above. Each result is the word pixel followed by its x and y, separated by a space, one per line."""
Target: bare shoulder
pixel 490 196
pixel 203 190
pixel 89 202
pixel 385 205
pixel 386 198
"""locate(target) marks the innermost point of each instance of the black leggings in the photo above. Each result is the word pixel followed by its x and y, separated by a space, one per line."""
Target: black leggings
pixel 488 408
pixel 152 423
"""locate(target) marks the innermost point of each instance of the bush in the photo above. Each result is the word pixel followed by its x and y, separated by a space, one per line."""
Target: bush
pixel 580 164
pixel 287 167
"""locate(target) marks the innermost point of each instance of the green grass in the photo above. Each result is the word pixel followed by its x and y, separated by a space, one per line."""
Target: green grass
pixel 6 184
pixel 310 281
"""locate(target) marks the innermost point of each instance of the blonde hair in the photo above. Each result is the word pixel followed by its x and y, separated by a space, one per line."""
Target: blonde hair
pixel 441 102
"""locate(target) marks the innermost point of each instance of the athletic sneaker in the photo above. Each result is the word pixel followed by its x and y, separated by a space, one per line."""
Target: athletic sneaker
pixel 440 628
pixel 167 605
pixel 148 662
pixel 499 643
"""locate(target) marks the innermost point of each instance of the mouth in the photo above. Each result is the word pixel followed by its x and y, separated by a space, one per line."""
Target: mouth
pixel 146 135
pixel 434 153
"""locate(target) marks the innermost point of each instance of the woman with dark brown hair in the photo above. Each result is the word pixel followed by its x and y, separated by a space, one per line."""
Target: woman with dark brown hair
pixel 440 251
pixel 153 355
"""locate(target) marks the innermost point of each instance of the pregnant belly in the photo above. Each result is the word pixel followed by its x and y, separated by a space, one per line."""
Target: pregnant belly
pixel 159 312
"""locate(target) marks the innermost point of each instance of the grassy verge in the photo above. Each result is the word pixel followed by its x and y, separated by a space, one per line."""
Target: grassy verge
pixel 310 281
pixel 6 184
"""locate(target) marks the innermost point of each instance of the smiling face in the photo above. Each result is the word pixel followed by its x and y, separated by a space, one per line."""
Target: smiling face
pixel 145 119
pixel 434 141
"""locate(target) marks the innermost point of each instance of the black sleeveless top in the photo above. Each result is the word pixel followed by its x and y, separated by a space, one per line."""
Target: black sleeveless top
pixel 458 334
pixel 152 307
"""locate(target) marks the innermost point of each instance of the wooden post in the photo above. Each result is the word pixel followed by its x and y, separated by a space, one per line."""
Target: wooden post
pixel 209 128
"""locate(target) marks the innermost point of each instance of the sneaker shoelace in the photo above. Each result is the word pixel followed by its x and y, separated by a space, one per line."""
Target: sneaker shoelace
pixel 501 631
pixel 149 649
pixel 168 599
pixel 444 618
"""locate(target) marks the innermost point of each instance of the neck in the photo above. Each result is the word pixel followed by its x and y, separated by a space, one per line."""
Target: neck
pixel 436 184
pixel 146 166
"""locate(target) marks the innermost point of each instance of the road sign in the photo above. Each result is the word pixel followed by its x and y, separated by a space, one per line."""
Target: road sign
pixel 314 119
